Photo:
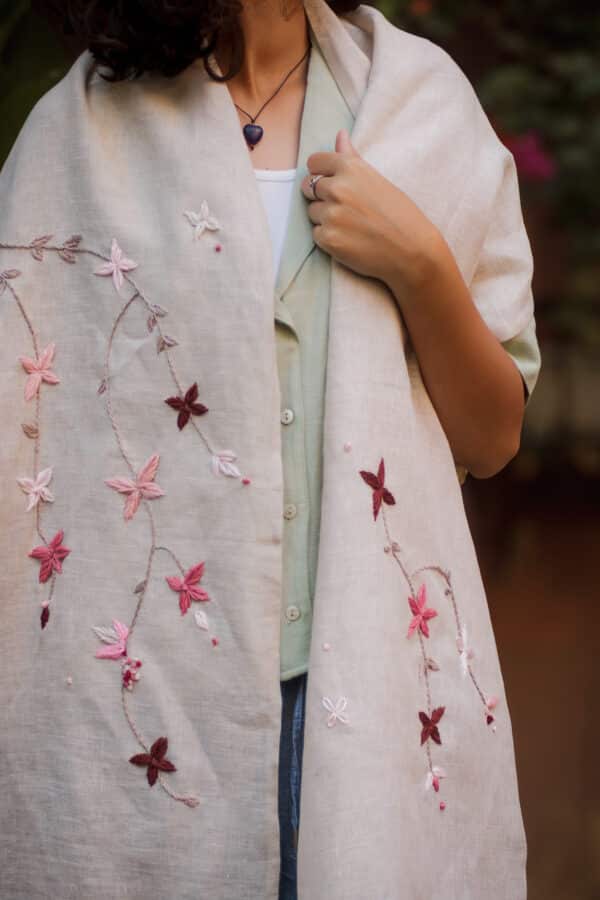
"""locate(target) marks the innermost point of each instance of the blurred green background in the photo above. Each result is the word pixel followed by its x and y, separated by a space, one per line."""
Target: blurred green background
pixel 536 69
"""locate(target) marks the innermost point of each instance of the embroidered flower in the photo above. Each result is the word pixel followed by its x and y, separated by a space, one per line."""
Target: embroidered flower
pixel 336 711
pixel 380 492
pixel 37 487
pixel 143 486
pixel 130 672
pixel 430 729
pixel 421 613
pixel 117 265
pixel 154 760
pixel 222 464
pixel 39 369
pixel 201 619
pixel 50 556
pixel 466 653
pixel 202 220
pixel 433 778
pixel 187 405
pixel 186 587
pixel 115 639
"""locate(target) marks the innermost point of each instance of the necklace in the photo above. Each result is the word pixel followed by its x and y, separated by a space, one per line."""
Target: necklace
pixel 252 132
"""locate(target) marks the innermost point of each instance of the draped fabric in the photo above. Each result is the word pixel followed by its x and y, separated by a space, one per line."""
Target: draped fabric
pixel 141 519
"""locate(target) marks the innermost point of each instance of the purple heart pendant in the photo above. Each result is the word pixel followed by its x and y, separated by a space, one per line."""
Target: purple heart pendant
pixel 253 134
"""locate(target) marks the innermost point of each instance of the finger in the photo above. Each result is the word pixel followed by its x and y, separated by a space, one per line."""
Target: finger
pixel 316 211
pixel 321 188
pixel 325 163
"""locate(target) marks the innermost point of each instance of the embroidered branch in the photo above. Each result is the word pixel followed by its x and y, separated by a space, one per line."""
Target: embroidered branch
pixel 418 624
pixel 38 368
pixel 138 489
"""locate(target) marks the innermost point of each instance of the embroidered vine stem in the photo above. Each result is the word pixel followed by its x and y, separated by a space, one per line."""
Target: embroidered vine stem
pixel 68 252
pixel 60 249
pixel 36 440
pixel 449 592
pixel 6 285
pixel 187 799
pixel 170 365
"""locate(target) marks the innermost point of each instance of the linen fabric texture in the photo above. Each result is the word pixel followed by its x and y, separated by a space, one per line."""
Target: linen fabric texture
pixel 302 299
pixel 124 162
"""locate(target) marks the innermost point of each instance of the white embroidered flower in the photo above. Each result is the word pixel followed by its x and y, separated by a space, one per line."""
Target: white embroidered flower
pixel 222 464
pixel 202 220
pixel 37 488
pixel 117 265
pixel 336 711
pixel 433 778
pixel 466 653
pixel 201 619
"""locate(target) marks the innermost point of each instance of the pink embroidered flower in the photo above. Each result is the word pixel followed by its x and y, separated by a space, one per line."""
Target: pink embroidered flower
pixel 143 486
pixel 532 159
pixel 117 265
pixel 433 778
pixel 421 613
pixel 186 587
pixel 50 556
pixel 380 492
pixel 335 710
pixel 430 729
pixel 223 464
pixel 115 639
pixel 130 672
pixel 154 760
pixel 37 487
pixel 39 369
pixel 187 406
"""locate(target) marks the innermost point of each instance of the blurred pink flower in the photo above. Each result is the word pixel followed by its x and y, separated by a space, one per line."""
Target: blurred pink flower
pixel 533 161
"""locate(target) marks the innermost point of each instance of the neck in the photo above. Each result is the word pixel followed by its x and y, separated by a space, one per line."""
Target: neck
pixel 276 38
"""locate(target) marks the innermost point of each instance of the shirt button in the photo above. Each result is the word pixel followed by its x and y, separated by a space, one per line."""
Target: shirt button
pixel 292 613
pixel 287 416
pixel 290 510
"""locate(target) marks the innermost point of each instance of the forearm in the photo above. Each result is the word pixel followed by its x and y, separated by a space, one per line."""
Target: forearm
pixel 474 385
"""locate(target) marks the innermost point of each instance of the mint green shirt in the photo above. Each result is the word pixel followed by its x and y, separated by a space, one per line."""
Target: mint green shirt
pixel 301 325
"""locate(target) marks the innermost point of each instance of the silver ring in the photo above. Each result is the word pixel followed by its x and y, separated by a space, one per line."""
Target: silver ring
pixel 313 181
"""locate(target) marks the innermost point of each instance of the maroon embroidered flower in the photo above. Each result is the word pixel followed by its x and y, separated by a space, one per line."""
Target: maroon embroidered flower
pixel 420 613
pixel 430 729
pixel 187 405
pixel 154 760
pixel 186 589
pixel 380 492
pixel 50 556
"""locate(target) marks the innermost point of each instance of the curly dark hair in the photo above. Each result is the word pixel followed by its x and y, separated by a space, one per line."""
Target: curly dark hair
pixel 131 37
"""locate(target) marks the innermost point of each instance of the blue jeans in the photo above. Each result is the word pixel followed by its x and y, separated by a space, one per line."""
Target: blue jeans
pixel 293 696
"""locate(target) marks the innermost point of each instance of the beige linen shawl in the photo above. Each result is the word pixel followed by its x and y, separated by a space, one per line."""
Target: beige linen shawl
pixel 141 515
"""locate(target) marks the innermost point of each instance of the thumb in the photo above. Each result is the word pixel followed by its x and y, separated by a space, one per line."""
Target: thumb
pixel 343 143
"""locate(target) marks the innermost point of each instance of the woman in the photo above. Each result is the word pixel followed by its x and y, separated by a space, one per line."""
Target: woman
pixel 289 497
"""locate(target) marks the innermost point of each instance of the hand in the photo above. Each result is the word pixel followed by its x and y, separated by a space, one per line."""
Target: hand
pixel 365 222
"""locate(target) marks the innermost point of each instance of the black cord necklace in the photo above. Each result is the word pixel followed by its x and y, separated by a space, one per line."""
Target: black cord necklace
pixel 252 132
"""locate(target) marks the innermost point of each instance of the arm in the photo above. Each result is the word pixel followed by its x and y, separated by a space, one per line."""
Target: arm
pixel 370 225
pixel 474 385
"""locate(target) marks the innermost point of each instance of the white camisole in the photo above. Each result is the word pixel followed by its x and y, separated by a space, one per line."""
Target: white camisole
pixel 275 187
